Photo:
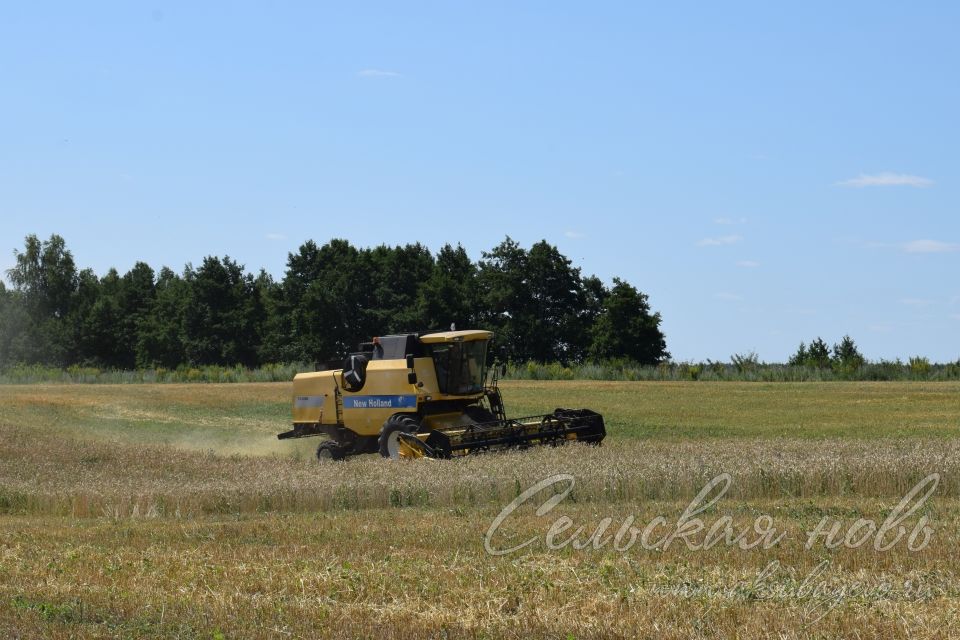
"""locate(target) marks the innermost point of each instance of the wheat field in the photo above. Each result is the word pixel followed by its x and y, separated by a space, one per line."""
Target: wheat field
pixel 172 511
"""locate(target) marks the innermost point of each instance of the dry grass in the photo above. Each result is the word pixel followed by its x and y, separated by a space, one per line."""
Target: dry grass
pixel 422 573
pixel 117 519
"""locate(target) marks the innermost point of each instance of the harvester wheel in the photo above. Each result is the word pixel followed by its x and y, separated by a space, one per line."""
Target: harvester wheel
pixel 389 439
pixel 330 450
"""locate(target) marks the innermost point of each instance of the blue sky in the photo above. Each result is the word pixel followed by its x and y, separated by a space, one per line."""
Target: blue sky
pixel 765 173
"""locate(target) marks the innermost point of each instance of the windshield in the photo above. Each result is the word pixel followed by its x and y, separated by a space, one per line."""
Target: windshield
pixel 460 366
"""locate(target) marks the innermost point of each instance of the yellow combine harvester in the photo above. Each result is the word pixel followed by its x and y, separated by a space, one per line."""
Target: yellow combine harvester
pixel 422 395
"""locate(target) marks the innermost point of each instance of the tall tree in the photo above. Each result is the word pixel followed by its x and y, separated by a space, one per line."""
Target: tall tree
pixel 627 329
pixel 818 354
pixel 101 327
pixel 161 336
pixel 326 297
pixel 556 297
pixel 16 344
pixel 397 274
pixel 538 302
pixel 137 296
pixel 505 297
pixel 221 321
pixel 449 295
pixel 846 355
pixel 46 278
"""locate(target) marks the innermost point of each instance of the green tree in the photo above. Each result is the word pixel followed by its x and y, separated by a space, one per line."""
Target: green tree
pixel 397 273
pixel 101 324
pixel 265 293
pixel 505 297
pixel 846 356
pixel 160 339
pixel 222 321
pixel 627 329
pixel 449 295
pixel 45 277
pixel 136 301
pixel 557 296
pixel 324 303
pixel 799 358
pixel 818 354
pixel 16 345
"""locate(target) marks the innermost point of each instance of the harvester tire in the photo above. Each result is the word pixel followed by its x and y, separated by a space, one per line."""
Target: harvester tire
pixel 389 441
pixel 330 450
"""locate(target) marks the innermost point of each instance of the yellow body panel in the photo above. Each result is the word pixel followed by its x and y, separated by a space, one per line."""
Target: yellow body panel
pixel 386 391
pixel 313 397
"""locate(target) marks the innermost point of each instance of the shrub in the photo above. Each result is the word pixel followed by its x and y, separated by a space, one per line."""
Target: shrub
pixel 920 366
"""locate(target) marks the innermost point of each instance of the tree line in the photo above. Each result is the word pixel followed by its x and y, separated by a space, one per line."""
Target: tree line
pixel 331 297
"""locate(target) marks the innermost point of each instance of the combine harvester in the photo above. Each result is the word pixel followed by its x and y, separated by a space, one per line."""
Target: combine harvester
pixel 423 395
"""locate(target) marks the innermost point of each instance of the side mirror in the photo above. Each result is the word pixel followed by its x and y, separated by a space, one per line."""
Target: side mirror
pixel 412 377
pixel 409 361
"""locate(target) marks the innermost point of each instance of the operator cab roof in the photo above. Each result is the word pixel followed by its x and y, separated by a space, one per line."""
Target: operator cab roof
pixel 397 347
pixel 456 336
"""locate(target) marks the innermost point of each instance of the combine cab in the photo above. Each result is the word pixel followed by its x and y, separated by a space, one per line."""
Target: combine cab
pixel 422 395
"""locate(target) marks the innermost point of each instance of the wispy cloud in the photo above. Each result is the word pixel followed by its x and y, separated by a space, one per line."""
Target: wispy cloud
pixel 377 73
pixel 886 179
pixel 720 241
pixel 574 234
pixel 726 295
pixel 728 221
pixel 917 302
pixel 275 236
pixel 748 264
pixel 930 246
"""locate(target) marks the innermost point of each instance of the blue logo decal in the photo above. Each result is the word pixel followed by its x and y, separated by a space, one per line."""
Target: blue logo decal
pixel 380 402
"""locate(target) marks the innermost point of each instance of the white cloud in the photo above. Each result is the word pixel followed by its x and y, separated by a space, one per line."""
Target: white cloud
pixel 726 295
pixel 573 234
pixel 917 302
pixel 886 179
pixel 748 264
pixel 377 73
pixel 717 242
pixel 275 236
pixel 730 221
pixel 930 246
